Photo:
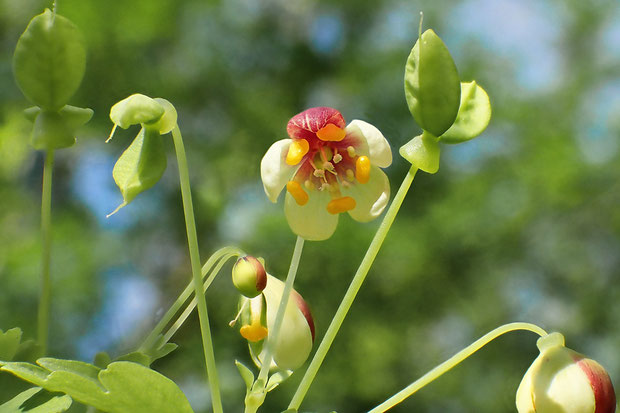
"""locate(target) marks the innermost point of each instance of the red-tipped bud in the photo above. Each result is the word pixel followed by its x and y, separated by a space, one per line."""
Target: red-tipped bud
pixel 249 276
pixel 563 381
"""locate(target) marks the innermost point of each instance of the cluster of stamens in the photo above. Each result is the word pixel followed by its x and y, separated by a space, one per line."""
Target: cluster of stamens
pixel 328 163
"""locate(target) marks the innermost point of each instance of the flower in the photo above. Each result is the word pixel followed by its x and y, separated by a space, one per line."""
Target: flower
pixel 327 169
pixel 563 381
pixel 258 316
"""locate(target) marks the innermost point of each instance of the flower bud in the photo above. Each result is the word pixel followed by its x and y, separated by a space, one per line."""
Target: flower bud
pixel 563 381
pixel 249 276
pixel 296 333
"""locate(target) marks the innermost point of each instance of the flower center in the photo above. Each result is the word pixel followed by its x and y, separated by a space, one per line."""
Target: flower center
pixel 328 163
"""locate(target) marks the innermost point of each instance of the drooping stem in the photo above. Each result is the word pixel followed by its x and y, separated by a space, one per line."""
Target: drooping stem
pixel 46 238
pixel 352 291
pixel 288 287
pixel 192 239
pixel 453 361
pixel 222 255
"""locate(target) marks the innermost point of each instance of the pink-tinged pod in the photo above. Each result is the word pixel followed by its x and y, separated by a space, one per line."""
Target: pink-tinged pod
pixel 296 334
pixel 563 381
pixel 249 276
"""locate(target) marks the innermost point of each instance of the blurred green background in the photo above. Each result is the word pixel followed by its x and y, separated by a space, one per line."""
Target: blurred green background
pixel 520 224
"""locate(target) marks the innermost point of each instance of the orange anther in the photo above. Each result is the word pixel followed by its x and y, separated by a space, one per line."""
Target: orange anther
pixel 338 205
pixel 297 192
pixel 331 133
pixel 362 169
pixel 297 150
pixel 253 332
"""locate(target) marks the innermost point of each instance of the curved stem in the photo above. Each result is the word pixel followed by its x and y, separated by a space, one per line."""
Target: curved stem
pixel 223 254
pixel 453 361
pixel 351 293
pixel 288 287
pixel 190 307
pixel 192 240
pixel 46 235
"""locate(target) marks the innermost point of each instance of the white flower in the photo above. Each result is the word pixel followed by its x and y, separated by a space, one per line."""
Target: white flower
pixel 327 169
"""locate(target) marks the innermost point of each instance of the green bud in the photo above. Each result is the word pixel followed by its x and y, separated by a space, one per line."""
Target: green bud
pixel 563 381
pixel 49 61
pixel 297 332
pixel 432 84
pixel 249 276
pixel 136 109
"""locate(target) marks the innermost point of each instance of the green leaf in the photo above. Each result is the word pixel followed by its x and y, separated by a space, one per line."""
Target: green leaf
pixel 56 404
pixel 56 130
pixel 277 378
pixel 49 60
pixel 140 166
pixel 473 117
pixel 121 387
pixel 422 152
pixel 246 374
pixel 9 343
pixel 432 84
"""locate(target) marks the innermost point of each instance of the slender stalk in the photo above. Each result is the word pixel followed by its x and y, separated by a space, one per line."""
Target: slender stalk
pixel 288 287
pixel 223 254
pixel 46 234
pixel 192 240
pixel 352 291
pixel 453 361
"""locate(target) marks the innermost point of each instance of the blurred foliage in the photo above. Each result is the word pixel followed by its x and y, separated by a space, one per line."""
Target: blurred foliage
pixel 521 223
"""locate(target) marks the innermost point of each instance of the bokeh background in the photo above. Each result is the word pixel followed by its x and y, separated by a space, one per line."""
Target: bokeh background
pixel 521 223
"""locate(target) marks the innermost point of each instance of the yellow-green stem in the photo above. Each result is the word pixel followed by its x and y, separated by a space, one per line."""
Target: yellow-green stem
pixel 192 240
pixel 275 332
pixel 223 255
pixel 453 361
pixel 352 291
pixel 46 235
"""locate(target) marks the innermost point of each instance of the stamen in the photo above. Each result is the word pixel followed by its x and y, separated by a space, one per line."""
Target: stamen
pixel 339 205
pixel 253 332
pixel 350 175
pixel 297 192
pixel 351 151
pixel 337 158
pixel 298 149
pixel 319 173
pixel 331 133
pixel 362 169
pixel 111 133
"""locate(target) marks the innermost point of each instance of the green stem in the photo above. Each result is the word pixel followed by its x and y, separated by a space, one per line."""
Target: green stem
pixel 46 234
pixel 223 254
pixel 273 335
pixel 453 361
pixel 194 254
pixel 351 293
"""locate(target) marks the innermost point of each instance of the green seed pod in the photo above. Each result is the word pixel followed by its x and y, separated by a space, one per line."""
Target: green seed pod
pixel 432 84
pixel 563 381
pixel 249 276
pixel 422 152
pixel 49 60
pixel 140 166
pixel 473 117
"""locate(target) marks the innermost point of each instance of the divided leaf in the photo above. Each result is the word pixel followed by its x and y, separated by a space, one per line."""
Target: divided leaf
pixel 473 117
pixel 121 387
pixel 56 404
pixel 432 84
pixel 49 60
